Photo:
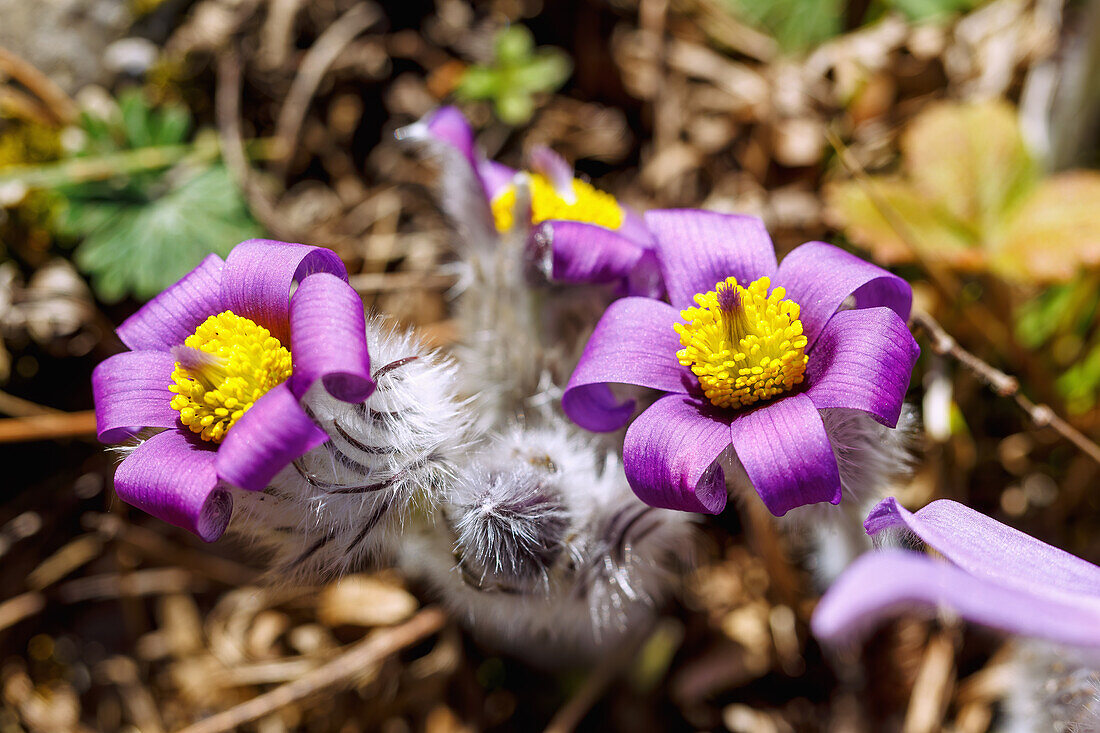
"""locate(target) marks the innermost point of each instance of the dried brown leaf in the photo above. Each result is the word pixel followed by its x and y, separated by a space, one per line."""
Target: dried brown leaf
pixel 363 600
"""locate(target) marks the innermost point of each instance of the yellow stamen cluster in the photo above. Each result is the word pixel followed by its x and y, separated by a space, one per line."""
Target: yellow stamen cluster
pixel 589 205
pixel 225 366
pixel 744 344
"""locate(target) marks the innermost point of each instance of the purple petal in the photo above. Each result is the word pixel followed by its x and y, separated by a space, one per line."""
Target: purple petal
pixel 670 455
pixel 560 174
pixel 863 361
pixel 633 343
pixel 698 248
pixel 988 549
pixel 172 477
pixel 786 454
pixel 890 583
pixel 449 125
pixel 587 253
pixel 645 279
pixel 495 177
pixel 258 276
pixel 819 277
pixel 166 320
pixel 131 392
pixel 634 229
pixel 271 434
pixel 329 340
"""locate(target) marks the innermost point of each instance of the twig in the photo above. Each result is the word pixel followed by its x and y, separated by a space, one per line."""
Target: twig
pixel 722 26
pixel 47 427
pixel 79 170
pixel 72 555
pixel 227 111
pixel 19 407
pixel 312 70
pixel 123 672
pixel 1003 384
pixel 385 282
pixel 595 685
pixel 21 105
pixel 61 107
pixel 329 677
pixel 102 167
pixel 276 36
pixel 154 581
pixel 156 545
pixel 14 610
pixel 935 679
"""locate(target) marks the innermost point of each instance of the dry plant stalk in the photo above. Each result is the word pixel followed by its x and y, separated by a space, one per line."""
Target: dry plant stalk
pixel 330 677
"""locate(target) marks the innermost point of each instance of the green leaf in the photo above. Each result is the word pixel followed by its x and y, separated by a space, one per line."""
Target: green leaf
pixel 1080 383
pixel 134 123
pixel 921 11
pixel 970 195
pixel 970 158
pixel 796 25
pixel 547 71
pixel 1042 317
pixel 1055 232
pixel 515 108
pixel 518 72
pixel 513 45
pixel 141 247
pixel 478 82
pixel 890 218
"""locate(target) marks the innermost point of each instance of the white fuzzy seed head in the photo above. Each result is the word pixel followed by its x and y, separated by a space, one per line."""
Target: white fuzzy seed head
pixel 344 505
pixel 1053 689
pixel 545 550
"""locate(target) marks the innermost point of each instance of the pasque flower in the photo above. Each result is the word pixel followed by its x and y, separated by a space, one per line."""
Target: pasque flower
pixel 994 575
pixel 220 363
pixel 748 351
pixel 578 234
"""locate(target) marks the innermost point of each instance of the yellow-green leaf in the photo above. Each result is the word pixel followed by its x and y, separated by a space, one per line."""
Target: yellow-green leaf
pixel 971 159
pixel 909 222
pixel 1056 231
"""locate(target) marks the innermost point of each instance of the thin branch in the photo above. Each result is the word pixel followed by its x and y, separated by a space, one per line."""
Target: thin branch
pixel 386 282
pixel 330 677
pixel 227 113
pixel 60 105
pixel 1003 384
pixel 14 610
pixel 19 407
pixel 47 426
pixel 594 687
pixel 311 71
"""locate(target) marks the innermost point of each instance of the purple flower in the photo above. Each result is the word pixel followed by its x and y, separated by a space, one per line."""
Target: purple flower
pixel 220 362
pixel 578 234
pixel 996 576
pixel 760 350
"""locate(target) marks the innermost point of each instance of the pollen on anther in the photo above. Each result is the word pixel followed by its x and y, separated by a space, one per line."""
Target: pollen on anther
pixel 222 369
pixel 743 343
pixel 588 204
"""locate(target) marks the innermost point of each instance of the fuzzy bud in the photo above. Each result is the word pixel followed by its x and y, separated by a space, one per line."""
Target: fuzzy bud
pixel 344 504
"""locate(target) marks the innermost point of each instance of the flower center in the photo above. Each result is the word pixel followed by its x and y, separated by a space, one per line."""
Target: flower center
pixel 589 205
pixel 744 344
pixel 222 369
